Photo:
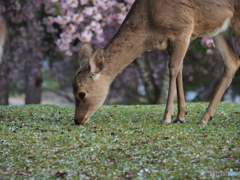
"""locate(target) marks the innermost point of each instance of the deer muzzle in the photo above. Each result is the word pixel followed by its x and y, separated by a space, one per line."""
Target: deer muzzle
pixel 81 121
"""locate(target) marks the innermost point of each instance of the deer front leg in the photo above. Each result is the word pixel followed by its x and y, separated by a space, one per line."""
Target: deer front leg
pixel 225 47
pixel 178 51
pixel 181 99
pixel 170 100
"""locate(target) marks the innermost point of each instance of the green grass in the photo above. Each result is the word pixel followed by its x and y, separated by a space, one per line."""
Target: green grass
pixel 120 142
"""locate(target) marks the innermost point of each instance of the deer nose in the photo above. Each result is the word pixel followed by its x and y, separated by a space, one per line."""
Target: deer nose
pixel 76 122
pixel 82 121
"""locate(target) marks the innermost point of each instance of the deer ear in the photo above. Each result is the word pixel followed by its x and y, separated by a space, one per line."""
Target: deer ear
pixel 85 53
pixel 97 61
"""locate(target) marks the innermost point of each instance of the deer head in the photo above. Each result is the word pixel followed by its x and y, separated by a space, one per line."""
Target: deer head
pixel 90 85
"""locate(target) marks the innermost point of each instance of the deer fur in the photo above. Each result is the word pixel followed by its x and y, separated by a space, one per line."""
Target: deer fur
pixel 160 25
pixel 3 32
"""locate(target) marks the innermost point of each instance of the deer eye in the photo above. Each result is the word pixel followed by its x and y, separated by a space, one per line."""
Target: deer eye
pixel 82 95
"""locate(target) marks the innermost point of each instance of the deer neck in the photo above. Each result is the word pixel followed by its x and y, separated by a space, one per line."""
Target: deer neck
pixel 128 43
pixel 121 51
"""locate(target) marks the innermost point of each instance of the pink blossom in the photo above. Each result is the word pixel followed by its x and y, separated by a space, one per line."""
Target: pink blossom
pixel 64 6
pixel 210 43
pixel 88 11
pixel 98 17
pixel 86 36
pixel 83 2
pixel 100 38
pixel 49 8
pixel 62 45
pixel 190 78
pixel 69 53
pixel 129 1
pixel 209 51
pixel 204 71
pixel 120 17
pixel 206 41
pixel 71 28
pixel 17 6
pixel 72 3
pixel 96 27
pixel 77 18
pixel 65 37
pixel 23 31
pixel 122 7
pixel 75 35
pixel 103 4
pixel 62 19
pixel 203 40
pixel 51 29
pixel 49 20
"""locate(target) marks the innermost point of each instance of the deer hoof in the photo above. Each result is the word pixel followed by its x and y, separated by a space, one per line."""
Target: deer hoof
pixel 178 121
pixel 165 122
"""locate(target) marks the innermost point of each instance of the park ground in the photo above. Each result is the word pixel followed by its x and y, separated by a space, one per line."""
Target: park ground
pixel 120 142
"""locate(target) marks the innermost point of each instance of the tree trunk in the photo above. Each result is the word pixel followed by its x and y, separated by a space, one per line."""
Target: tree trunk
pixel 151 88
pixel 33 84
pixel 33 73
pixel 4 72
pixel 4 84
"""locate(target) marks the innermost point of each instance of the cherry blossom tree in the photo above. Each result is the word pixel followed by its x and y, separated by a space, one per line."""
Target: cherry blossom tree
pixel 36 28
pixel 25 48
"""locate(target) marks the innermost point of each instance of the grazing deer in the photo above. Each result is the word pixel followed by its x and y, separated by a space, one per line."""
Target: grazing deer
pixel 159 25
pixel 3 32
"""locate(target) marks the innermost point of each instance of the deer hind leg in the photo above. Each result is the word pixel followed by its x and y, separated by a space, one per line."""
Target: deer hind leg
pixel 236 23
pixel 236 26
pixel 178 52
pixel 225 46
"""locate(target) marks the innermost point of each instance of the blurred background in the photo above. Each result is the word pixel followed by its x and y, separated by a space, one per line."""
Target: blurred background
pixel 41 55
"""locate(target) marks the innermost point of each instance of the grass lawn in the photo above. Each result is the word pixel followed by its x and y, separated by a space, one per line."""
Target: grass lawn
pixel 120 142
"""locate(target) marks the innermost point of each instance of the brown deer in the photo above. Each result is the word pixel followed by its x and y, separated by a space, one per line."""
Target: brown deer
pixel 3 32
pixel 159 25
